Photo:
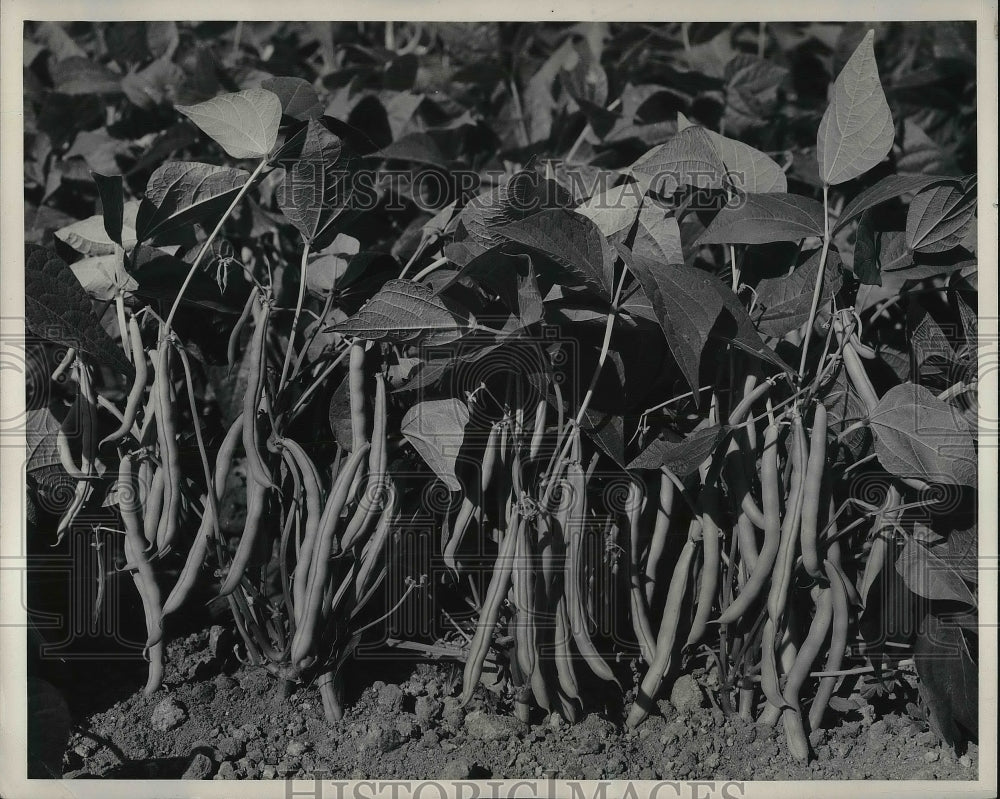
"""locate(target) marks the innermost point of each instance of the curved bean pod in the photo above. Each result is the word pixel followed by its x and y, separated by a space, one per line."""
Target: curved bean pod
pixel 138 388
pixel 813 492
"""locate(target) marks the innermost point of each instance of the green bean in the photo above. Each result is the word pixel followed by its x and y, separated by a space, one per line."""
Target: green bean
pixel 770 491
pixel 641 626
pixel 489 458
pixel 539 432
pixel 256 509
pixel 523 611
pixel 256 467
pixel 368 507
pixel 710 564
pixel 319 568
pixel 234 335
pixel 563 657
pixel 838 643
pixel 154 506
pixel 167 441
pixel 196 555
pixel 661 529
pixel 356 385
pixel 462 520
pixel 856 373
pixel 370 555
pixel 746 534
pixel 145 580
pixel 313 494
pixel 138 388
pixel 785 561
pixel 813 492
pixel 499 584
pixel 575 525
pixel 669 622
pixel 795 734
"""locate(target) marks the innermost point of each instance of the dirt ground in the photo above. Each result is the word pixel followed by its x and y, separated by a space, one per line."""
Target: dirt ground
pixel 216 719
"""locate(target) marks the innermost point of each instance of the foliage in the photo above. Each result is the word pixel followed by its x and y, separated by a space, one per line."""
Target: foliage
pixel 664 323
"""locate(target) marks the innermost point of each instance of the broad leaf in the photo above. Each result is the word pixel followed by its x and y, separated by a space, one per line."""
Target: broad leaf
pixel 657 235
pixel 112 196
pixel 58 309
pixel 765 218
pixel 244 123
pixel 90 237
pixel 40 430
pixel 927 575
pixel 856 132
pixel 938 218
pixel 181 192
pixel 316 187
pixel 877 251
pixel 688 159
pixel 104 276
pixel 328 269
pixel 680 457
pixel 686 306
pixel 747 168
pixel 83 76
pixel 436 429
pixel 614 209
pixel 949 679
pixel 887 189
pixel 403 310
pixel 737 328
pixel 297 97
pixel 918 435
pixel 572 241
pixel 785 302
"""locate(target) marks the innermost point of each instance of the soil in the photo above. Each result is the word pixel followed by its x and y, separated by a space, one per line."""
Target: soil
pixel 223 720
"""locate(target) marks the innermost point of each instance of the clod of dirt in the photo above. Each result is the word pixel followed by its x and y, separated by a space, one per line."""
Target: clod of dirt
pixel 200 767
pixel 456 770
pixel 490 727
pixel 227 771
pixel 381 738
pixel 686 694
pixel 427 710
pixel 453 713
pixel 297 748
pixel 390 698
pixel 168 715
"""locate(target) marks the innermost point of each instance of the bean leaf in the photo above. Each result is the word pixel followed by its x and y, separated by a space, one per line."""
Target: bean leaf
pixel 110 188
pixel 764 218
pixel 297 96
pixel 436 429
pixel 686 307
pixel 403 310
pixel 785 301
pixel 887 189
pixel 681 457
pixel 927 575
pixel 316 186
pixel 244 123
pixel 856 132
pixel 90 237
pixel 182 192
pixel 747 168
pixel 919 435
pixel 58 309
pixel 949 678
pixel 688 159
pixel 939 217
pixel 572 241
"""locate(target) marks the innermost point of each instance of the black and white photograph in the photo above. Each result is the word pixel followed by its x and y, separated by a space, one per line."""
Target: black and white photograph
pixel 557 406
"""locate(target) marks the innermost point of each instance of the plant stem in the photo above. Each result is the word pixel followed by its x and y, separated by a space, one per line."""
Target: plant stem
pixel 429 268
pixel 208 242
pixel 818 288
pixel 303 270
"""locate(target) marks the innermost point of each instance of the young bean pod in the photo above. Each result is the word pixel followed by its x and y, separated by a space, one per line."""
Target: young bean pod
pixel 771 494
pixel 256 509
pixel 838 643
pixel 661 529
pixel 490 611
pixel 669 623
pixel 710 533
pixel 196 555
pixel 256 467
pixel 813 492
pixel 371 499
pixel 641 626
pixel 138 389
